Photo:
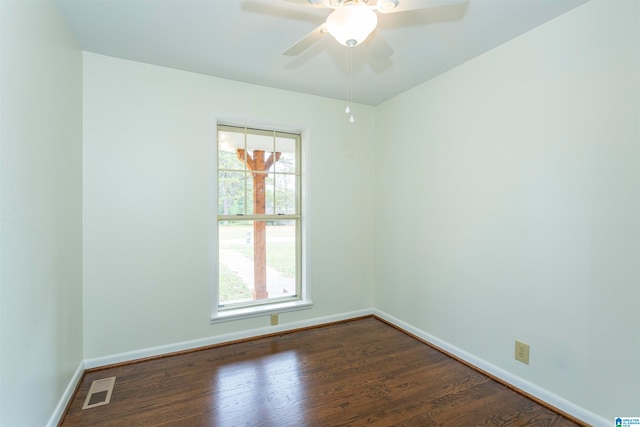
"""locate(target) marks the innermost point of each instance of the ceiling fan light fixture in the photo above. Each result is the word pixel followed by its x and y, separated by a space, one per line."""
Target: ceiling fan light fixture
pixel 352 23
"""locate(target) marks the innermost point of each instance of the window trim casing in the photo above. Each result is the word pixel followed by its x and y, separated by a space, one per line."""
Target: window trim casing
pixel 277 307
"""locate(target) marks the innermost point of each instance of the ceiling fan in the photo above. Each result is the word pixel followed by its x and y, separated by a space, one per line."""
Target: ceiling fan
pixel 353 21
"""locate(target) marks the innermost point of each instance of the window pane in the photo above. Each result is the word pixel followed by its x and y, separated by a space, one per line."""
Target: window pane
pixel 258 183
pixel 231 192
pixel 287 149
pixel 260 142
pixel 250 197
pixel 269 194
pixel 235 277
pixel 257 261
pixel 285 197
pixel 281 259
pixel 228 145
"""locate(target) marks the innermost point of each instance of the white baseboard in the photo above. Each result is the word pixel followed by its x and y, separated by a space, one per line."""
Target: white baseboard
pixel 218 339
pixel 66 397
pixel 534 390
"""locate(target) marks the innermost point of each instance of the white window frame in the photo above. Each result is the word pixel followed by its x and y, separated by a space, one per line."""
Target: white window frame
pixel 275 307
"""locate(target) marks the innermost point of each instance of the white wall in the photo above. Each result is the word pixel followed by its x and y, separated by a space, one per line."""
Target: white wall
pixel 40 213
pixel 508 206
pixel 147 196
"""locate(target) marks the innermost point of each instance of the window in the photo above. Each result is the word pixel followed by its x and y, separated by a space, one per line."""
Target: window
pixel 259 222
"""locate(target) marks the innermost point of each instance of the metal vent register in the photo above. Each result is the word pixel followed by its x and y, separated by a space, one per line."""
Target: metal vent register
pixel 99 393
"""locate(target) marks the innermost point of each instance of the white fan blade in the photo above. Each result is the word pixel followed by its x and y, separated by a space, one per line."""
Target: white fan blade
pixel 379 46
pixel 407 5
pixel 306 42
pixel 316 3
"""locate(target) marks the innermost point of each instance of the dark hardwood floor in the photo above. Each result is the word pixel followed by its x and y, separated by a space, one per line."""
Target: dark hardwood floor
pixel 361 372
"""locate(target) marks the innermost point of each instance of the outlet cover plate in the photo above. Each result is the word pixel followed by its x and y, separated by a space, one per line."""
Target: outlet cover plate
pixel 522 352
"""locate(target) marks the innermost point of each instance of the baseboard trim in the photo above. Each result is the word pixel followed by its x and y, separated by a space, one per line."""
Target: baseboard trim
pixel 66 397
pixel 169 349
pixel 514 382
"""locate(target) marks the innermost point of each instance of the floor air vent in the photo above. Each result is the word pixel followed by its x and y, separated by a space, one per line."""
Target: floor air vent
pixel 99 393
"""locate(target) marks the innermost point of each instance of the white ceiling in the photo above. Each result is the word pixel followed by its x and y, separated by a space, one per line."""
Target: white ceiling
pixel 244 40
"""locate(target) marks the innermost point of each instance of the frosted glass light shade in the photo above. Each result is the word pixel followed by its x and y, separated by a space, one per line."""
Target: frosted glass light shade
pixel 350 25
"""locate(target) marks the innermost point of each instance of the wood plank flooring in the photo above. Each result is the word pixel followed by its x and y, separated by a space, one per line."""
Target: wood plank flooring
pixel 361 372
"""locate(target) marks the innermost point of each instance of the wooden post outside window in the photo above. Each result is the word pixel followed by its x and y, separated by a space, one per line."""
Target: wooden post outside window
pixel 259 165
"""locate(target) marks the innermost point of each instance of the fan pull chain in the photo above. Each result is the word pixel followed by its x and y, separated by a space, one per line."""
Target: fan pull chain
pixel 350 94
pixel 348 109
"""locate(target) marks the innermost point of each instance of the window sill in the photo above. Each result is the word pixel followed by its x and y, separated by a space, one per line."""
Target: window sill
pixel 257 311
